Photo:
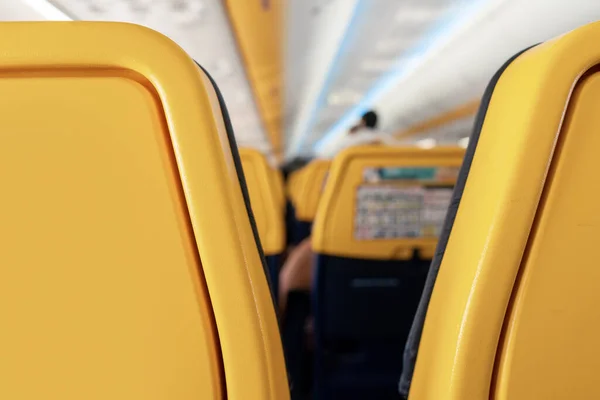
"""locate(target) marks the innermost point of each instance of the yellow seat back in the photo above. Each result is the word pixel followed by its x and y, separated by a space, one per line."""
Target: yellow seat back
pixel 292 186
pixel 371 209
pixel 130 269
pixel 309 188
pixel 279 185
pixel 514 313
pixel 374 236
pixel 266 205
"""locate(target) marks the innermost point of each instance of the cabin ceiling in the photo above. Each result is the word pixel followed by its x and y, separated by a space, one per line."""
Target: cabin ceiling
pixel 330 60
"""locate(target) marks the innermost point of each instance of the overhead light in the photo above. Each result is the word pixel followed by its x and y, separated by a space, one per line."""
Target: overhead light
pixel 428 143
pixel 463 142
pixel 47 10
pixel 409 62
pixel 343 97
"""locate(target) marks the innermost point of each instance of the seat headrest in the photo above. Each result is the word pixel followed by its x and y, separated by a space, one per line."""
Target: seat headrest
pixel 385 202
pixel 308 188
pixel 266 205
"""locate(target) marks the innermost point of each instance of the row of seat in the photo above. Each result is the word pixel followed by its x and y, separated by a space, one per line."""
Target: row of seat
pixel 132 266
pixel 358 319
pixel 503 315
pixel 374 235
pixel 304 190
pixel 267 199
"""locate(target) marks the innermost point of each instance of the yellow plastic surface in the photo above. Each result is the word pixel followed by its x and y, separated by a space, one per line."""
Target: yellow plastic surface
pixel 293 184
pixel 333 228
pixel 279 185
pixel 266 205
pixel 550 347
pixel 308 189
pixel 129 269
pixel 258 26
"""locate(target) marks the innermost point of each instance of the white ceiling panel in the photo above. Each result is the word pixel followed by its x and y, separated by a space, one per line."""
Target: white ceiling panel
pixel 201 27
pixel 321 25
pixel 28 10
pixel 459 72
pixel 449 17
pixel 300 22
pixel 378 40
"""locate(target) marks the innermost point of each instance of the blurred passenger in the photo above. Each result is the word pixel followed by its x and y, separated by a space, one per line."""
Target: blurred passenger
pixel 367 122
pixel 366 132
pixel 297 271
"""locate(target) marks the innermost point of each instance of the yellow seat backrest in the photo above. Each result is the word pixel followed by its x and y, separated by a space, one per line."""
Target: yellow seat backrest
pixel 514 313
pixel 367 184
pixel 279 185
pixel 266 205
pixel 293 185
pixel 309 188
pixel 129 268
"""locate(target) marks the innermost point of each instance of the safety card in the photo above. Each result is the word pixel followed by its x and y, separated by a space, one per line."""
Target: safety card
pixel 405 202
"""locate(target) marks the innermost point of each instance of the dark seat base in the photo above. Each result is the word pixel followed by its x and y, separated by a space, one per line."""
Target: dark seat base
pixel 363 313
